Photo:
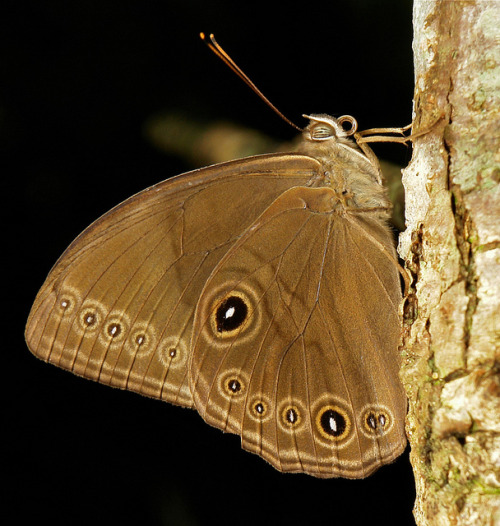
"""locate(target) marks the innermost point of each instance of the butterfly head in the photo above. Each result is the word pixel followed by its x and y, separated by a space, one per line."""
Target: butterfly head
pixel 326 128
pixel 347 166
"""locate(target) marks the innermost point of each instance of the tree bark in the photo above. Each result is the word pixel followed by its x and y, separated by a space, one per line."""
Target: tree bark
pixel 451 245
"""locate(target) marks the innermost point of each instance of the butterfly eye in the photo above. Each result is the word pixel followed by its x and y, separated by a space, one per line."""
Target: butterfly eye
pixel 231 314
pixel 322 131
pixel 333 423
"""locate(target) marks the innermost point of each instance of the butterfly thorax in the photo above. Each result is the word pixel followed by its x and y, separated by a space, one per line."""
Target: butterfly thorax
pixel 346 169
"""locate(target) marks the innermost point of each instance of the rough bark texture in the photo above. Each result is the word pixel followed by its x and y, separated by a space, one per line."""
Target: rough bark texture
pixel 452 249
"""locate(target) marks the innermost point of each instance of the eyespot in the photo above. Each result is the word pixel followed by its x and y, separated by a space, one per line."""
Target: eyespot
pixel 90 315
pixel 89 319
pixel 171 352
pixel 259 409
pixel 66 304
pixel 291 416
pixel 142 338
pixel 170 356
pixel 115 328
pixel 376 421
pixel 141 341
pixel 333 423
pixel 66 301
pixel 231 314
pixel 232 384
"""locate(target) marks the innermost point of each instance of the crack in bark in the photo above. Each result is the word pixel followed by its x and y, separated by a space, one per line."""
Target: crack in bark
pixel 465 234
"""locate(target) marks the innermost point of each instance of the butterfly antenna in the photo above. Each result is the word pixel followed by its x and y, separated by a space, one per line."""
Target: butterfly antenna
pixel 217 49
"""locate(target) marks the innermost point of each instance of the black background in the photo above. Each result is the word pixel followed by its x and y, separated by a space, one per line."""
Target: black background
pixel 80 79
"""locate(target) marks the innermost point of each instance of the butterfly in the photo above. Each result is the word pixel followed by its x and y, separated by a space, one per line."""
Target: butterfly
pixel 263 292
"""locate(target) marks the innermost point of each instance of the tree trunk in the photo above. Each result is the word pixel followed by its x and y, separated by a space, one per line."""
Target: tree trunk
pixel 452 249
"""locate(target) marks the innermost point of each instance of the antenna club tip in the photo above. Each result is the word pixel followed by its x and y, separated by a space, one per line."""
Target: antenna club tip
pixel 204 37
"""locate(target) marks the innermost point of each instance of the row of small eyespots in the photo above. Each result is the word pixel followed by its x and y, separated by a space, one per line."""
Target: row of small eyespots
pixel 234 387
pixel 333 422
pixel 116 330
pixel 90 320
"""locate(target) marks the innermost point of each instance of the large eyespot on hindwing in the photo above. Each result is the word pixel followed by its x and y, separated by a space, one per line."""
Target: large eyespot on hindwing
pixel 231 314
pixel 376 421
pixel 333 423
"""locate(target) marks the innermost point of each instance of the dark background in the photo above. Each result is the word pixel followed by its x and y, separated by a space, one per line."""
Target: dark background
pixel 79 82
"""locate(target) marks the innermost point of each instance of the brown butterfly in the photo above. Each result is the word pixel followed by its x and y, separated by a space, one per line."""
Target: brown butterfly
pixel 264 292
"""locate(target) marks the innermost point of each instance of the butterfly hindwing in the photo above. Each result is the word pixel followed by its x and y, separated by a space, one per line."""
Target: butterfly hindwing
pixel 288 350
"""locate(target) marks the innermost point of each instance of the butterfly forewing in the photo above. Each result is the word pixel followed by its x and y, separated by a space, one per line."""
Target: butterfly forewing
pixel 118 305
pixel 288 349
